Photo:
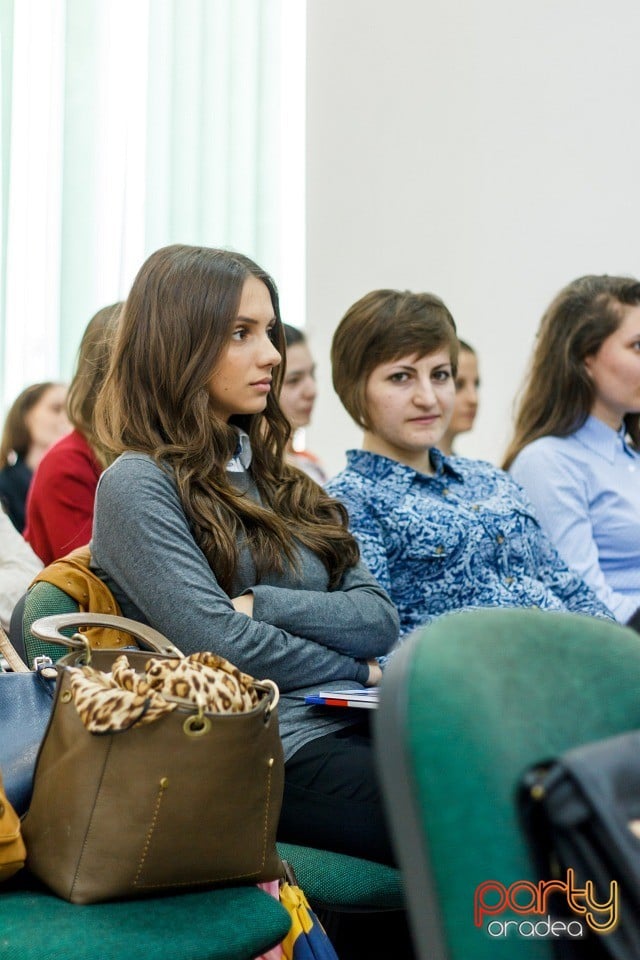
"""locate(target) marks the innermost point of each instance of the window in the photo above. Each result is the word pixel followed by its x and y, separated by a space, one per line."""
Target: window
pixel 131 124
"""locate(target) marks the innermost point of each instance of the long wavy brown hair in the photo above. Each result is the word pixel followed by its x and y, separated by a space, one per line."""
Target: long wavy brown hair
pixel 175 327
pixel 91 369
pixel 558 393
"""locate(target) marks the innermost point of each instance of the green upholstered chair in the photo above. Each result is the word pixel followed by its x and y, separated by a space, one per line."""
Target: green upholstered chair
pixel 237 923
pixel 44 600
pixel 467 704
pixel 344 884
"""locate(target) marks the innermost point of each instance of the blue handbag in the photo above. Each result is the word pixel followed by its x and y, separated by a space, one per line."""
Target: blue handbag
pixel 26 700
pixel 26 696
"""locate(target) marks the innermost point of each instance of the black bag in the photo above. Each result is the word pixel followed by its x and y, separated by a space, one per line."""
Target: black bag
pixel 581 813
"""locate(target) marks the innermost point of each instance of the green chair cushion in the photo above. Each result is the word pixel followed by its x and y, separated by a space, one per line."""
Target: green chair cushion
pixel 236 923
pixel 44 600
pixel 336 881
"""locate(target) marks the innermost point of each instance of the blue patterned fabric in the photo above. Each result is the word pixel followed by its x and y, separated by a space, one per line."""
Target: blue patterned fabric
pixel 464 537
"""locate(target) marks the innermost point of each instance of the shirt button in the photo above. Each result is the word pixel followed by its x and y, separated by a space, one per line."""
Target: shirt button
pixel 439 550
pixel 500 538
pixel 508 580
pixel 475 507
pixel 445 491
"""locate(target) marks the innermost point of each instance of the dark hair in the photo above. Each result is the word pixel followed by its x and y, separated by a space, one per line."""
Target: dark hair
pixel 91 369
pixel 383 326
pixel 558 393
pixel 15 435
pixel 466 346
pixel 175 327
pixel 293 335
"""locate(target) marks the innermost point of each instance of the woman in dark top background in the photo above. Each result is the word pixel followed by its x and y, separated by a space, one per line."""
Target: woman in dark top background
pixel 36 419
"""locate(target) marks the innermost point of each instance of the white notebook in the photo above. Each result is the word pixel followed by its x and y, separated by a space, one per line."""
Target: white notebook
pixel 365 699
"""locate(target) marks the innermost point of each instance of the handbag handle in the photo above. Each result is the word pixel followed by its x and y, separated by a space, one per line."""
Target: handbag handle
pixel 11 655
pixel 48 628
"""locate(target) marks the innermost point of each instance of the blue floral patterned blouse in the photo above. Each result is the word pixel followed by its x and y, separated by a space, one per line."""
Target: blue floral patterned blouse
pixel 464 537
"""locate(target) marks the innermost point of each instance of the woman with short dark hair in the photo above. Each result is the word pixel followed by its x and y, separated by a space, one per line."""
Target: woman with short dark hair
pixel 439 534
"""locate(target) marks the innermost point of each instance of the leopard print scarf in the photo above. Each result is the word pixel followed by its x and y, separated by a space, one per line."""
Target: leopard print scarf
pixel 116 701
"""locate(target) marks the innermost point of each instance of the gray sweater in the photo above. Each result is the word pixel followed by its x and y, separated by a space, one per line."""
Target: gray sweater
pixel 302 635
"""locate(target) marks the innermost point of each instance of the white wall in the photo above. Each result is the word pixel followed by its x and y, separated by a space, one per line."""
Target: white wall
pixel 487 151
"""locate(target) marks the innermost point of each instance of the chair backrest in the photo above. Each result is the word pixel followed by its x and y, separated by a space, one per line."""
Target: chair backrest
pixel 15 627
pixel 44 600
pixel 467 705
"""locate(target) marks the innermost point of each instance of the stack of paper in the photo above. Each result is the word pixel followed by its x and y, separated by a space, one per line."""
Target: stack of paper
pixel 359 697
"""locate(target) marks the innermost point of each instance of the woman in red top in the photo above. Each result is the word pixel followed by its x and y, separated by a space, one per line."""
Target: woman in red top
pixel 60 501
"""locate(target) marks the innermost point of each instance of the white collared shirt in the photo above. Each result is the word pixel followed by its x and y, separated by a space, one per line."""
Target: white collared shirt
pixel 18 567
pixel 241 460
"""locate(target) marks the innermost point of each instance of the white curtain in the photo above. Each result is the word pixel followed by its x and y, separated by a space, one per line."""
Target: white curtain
pixel 130 124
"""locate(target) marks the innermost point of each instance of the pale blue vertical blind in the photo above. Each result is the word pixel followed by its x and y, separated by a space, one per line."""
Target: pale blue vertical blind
pixel 144 122
pixel 6 59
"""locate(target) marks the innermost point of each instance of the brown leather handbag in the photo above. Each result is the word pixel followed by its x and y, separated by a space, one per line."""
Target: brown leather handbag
pixel 12 851
pixel 191 798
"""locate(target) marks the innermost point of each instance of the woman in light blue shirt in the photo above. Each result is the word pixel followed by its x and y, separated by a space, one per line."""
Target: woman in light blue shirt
pixel 440 534
pixel 576 443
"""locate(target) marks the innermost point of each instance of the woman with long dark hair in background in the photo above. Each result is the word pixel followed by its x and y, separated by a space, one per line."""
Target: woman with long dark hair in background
pixel 36 419
pixel 575 448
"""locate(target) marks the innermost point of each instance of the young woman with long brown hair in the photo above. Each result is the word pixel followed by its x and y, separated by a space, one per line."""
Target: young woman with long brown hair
pixel 576 442
pixel 203 530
